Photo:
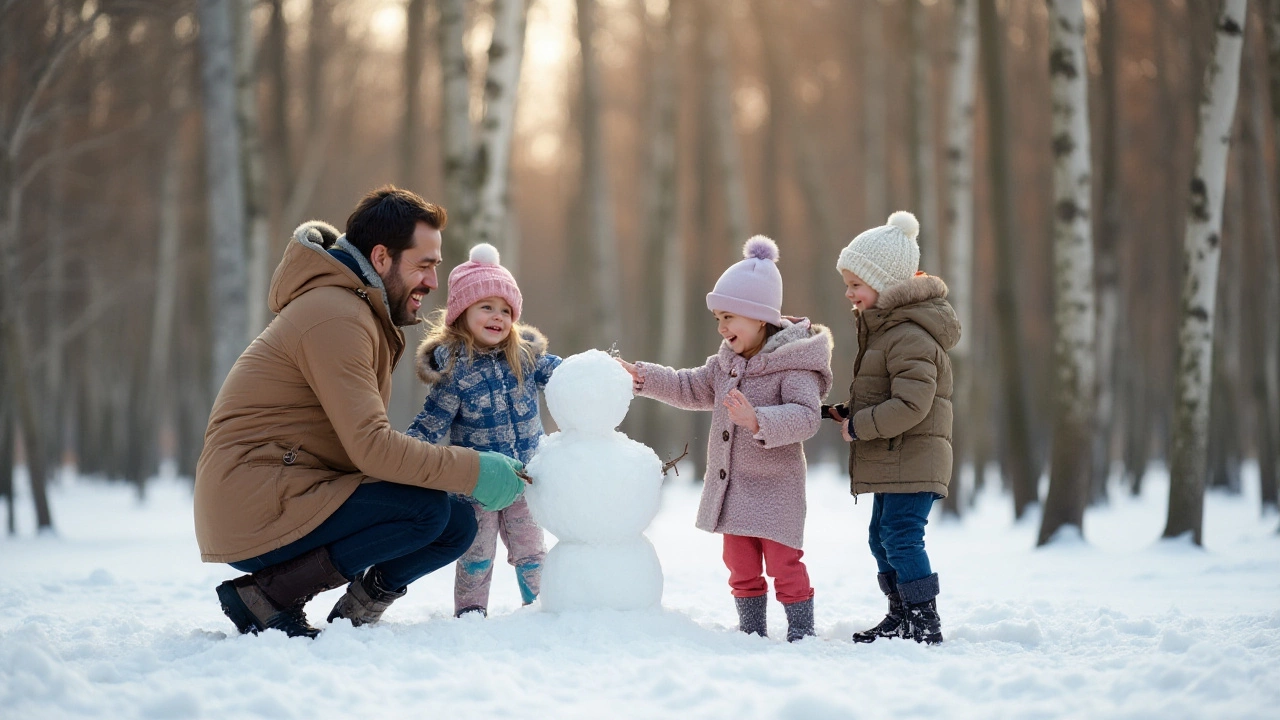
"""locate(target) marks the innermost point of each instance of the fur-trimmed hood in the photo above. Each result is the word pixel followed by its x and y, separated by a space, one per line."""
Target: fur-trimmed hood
pixel 432 358
pixel 921 300
pixel 299 271
pixel 799 345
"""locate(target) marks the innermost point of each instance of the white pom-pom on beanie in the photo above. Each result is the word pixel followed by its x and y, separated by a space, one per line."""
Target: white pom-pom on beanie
pixel 884 256
pixel 751 287
pixel 480 277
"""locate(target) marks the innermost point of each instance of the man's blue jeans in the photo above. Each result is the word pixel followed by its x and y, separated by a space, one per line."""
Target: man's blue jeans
pixel 406 531
pixel 896 534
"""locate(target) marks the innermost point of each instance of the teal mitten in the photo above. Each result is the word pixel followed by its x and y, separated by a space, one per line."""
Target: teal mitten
pixel 498 485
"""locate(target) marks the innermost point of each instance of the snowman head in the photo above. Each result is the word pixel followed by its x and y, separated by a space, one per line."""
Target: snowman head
pixel 589 392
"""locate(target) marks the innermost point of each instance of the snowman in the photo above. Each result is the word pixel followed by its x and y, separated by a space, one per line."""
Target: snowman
pixel 596 490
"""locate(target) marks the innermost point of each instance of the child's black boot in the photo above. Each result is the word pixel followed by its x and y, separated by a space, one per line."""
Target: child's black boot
pixel 799 619
pixel 751 614
pixel 892 624
pixel 919 599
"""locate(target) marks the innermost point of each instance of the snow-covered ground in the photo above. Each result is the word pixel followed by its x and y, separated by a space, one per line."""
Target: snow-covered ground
pixel 116 618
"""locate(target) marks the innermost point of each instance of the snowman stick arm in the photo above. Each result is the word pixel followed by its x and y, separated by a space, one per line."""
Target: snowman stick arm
pixel 687 389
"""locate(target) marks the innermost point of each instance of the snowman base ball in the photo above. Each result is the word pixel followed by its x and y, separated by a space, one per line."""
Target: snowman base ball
pixel 623 576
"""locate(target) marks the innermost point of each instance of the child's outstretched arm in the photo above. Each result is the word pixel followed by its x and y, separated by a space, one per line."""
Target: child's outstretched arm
pixel 913 384
pixel 438 412
pixel 797 417
pixel 688 389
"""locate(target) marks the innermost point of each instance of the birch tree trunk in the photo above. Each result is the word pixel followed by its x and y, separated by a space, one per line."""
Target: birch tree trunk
pixel 924 187
pixel 277 64
pixel 253 166
pixel 1073 273
pixel 875 171
pixel 455 123
pixel 1273 70
pixel 959 272
pixel 597 192
pixel 1202 251
pixel 1017 464
pixel 776 83
pixel 160 405
pixel 411 130
pixel 493 159
pixel 728 155
pixel 225 187
pixel 1107 229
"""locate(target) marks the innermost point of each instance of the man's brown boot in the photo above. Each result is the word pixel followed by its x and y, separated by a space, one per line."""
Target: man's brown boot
pixel 274 597
pixel 365 600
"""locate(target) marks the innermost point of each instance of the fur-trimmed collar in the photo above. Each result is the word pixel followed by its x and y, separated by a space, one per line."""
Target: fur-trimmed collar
pixel 325 238
pixel 912 290
pixel 433 354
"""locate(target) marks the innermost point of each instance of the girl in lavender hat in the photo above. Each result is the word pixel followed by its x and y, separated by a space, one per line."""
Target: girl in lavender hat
pixel 764 388
pixel 483 370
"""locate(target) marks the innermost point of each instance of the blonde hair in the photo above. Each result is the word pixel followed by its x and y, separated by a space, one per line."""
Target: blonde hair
pixel 455 336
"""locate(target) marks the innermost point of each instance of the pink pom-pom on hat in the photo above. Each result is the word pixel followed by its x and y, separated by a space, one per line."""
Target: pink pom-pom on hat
pixel 480 277
pixel 751 287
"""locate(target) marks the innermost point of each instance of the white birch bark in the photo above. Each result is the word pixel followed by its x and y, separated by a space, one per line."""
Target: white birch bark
pixel 493 160
pixel 728 154
pixel 596 188
pixel 1074 318
pixel 455 127
pixel 253 166
pixel 1202 250
pixel 875 180
pixel 923 176
pixel 959 256
pixel 225 187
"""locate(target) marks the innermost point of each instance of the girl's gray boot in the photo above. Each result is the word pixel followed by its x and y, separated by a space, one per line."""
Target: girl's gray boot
pixel 751 614
pixel 799 619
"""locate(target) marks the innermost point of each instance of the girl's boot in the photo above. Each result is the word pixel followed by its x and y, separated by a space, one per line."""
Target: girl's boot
pixel 799 620
pixel 894 620
pixel 919 599
pixel 751 614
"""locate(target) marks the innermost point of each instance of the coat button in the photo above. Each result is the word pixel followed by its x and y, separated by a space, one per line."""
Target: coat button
pixel 725 435
pixel 733 373
pixel 722 474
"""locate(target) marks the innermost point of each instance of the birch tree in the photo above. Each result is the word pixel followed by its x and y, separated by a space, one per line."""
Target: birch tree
pixel 1202 251
pixel 874 173
pixel 959 273
pixel 411 122
pixel 224 176
pixel 1017 464
pixel 253 166
pixel 1073 273
pixel 924 188
pixel 728 154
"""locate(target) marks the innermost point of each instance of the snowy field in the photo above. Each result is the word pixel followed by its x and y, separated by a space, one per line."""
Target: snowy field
pixel 116 618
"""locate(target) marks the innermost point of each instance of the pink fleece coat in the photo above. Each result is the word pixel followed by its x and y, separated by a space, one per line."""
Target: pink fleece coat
pixel 754 484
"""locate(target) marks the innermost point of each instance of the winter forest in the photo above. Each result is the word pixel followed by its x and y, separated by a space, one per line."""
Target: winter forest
pixel 1097 181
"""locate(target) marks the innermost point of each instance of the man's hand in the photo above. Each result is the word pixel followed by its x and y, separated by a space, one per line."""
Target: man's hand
pixel 498 485
pixel 741 412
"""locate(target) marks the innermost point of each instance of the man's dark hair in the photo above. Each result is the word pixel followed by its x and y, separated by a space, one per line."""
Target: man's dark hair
pixel 387 216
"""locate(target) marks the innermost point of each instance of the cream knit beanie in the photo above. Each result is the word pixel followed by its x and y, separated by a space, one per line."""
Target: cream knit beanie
pixel 886 255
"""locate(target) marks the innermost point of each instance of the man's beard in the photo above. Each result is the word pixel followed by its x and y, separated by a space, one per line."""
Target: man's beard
pixel 398 297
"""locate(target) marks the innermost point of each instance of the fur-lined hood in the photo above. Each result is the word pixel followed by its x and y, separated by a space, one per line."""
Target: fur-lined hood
pixel 799 345
pixel 921 300
pixel 433 355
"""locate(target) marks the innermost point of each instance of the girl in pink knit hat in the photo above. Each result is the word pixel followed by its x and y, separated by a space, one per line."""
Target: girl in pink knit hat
pixel 764 389
pixel 483 370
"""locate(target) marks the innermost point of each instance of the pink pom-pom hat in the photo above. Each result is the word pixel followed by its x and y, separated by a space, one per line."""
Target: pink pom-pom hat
pixel 481 276
pixel 751 287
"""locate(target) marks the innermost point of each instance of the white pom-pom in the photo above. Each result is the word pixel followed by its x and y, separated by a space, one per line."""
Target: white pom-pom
pixel 906 222
pixel 761 248
pixel 485 254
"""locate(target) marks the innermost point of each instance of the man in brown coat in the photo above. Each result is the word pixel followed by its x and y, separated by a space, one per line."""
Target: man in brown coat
pixel 303 483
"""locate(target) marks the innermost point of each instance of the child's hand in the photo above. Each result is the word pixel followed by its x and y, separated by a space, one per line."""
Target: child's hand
pixel 741 412
pixel 637 379
pixel 833 412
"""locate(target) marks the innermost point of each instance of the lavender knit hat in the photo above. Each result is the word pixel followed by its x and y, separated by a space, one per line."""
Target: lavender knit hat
pixel 478 278
pixel 751 287
pixel 886 255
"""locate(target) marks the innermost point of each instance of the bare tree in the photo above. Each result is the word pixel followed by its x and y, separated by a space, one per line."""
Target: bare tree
pixel 1073 273
pixel 924 187
pixel 728 154
pixel 1202 251
pixel 874 111
pixel 1018 465
pixel 455 124
pixel 225 187
pixel 253 166
pixel 411 129
pixel 959 272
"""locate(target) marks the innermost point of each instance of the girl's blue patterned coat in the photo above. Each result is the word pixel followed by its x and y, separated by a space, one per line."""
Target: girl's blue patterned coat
pixel 477 402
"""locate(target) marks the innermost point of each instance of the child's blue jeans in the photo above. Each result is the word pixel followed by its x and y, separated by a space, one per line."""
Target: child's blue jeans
pixel 406 531
pixel 896 534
